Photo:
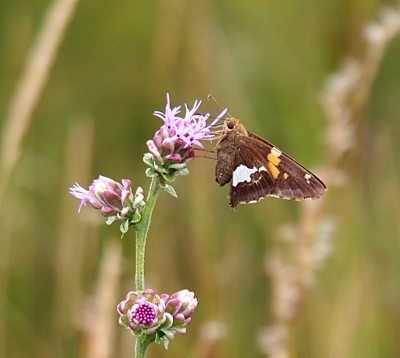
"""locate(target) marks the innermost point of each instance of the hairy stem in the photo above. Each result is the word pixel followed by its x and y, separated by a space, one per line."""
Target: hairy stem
pixel 142 228
pixel 142 344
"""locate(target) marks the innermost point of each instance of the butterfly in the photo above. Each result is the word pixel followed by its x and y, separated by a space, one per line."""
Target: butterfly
pixel 255 169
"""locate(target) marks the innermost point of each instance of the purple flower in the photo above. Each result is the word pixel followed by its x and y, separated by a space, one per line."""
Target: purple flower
pixel 142 313
pixel 116 201
pixel 190 129
pixel 169 117
pixel 172 146
pixel 84 196
pixel 157 316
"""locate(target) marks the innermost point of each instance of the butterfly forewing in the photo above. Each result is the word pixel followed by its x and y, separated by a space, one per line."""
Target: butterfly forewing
pixel 251 177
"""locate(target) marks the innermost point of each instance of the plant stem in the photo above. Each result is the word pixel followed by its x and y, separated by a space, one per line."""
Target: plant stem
pixel 142 228
pixel 142 344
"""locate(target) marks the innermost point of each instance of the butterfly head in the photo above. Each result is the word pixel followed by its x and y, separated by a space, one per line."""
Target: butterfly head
pixel 232 124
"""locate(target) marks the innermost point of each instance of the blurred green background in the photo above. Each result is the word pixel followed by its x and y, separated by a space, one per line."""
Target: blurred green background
pixel 62 273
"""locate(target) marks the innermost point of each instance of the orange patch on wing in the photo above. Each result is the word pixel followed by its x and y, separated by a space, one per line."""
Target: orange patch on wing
pixel 273 159
pixel 273 169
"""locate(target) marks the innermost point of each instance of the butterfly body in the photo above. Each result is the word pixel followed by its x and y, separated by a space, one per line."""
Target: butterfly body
pixel 255 169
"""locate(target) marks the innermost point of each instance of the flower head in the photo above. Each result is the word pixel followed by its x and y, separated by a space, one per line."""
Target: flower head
pixel 172 146
pixel 190 129
pixel 116 201
pixel 158 317
pixel 142 313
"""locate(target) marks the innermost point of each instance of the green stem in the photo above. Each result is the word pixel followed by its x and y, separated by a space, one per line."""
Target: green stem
pixel 142 228
pixel 142 344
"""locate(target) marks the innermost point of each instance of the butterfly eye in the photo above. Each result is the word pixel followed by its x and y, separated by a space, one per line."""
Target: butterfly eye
pixel 231 125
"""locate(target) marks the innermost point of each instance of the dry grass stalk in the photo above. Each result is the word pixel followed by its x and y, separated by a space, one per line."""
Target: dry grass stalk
pixel 344 101
pixel 30 86
pixel 101 332
pixel 75 239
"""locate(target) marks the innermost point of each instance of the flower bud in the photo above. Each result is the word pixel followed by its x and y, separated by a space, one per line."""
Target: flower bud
pixel 115 200
pixel 180 306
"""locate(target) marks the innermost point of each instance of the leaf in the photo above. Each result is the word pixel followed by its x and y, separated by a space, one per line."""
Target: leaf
pixel 166 342
pixel 150 172
pixel 169 189
pixel 111 219
pixel 124 227
pixel 135 217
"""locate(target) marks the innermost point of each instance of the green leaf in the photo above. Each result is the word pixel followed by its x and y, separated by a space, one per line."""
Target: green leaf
pixel 124 227
pixel 136 217
pixel 169 189
pixel 148 159
pixel 150 172
pixel 169 177
pixel 166 342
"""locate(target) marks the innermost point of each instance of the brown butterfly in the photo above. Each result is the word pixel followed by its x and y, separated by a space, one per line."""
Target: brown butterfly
pixel 255 169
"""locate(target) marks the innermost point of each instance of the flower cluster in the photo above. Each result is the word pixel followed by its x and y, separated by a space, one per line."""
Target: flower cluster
pixel 154 318
pixel 116 201
pixel 172 146
pixel 158 317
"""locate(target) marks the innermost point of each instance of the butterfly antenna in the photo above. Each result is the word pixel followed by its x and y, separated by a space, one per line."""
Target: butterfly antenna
pixel 210 96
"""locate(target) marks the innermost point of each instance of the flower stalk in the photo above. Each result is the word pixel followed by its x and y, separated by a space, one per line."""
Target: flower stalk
pixel 142 228
pixel 142 345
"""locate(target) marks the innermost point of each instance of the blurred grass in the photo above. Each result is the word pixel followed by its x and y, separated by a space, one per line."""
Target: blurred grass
pixel 267 62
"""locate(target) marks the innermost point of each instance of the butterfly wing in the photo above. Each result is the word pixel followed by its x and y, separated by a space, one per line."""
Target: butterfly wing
pixel 252 179
pixel 291 180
